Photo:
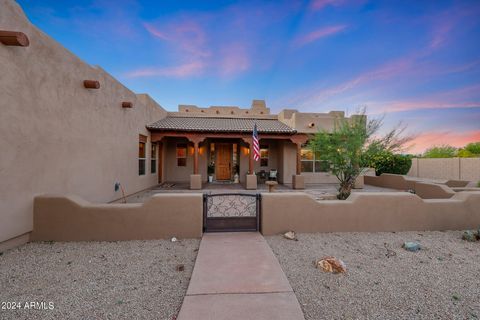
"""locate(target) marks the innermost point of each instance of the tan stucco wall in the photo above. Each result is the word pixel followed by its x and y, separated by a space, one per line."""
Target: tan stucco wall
pixel 174 173
pixel 446 168
pixel 368 212
pixel 55 135
pixel 424 189
pixel 70 218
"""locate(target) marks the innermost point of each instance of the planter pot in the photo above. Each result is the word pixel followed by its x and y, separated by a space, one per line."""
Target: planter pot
pixel 210 179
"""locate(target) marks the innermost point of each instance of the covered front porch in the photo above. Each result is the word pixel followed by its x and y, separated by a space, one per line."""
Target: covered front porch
pixel 207 160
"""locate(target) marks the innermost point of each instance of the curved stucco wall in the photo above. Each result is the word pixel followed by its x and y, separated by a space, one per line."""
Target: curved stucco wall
pixel 55 135
pixel 368 212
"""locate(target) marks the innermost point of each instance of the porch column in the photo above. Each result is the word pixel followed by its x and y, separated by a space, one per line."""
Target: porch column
pixel 195 157
pixel 195 178
pixel 298 181
pixel 251 178
pixel 250 159
pixel 299 158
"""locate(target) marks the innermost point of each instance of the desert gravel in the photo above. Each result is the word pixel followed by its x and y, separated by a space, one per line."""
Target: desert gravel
pixel 441 281
pixel 97 280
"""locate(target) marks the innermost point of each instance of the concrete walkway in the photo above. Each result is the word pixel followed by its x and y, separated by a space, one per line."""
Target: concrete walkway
pixel 236 276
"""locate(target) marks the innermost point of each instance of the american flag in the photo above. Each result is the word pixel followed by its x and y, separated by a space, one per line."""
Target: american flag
pixel 256 146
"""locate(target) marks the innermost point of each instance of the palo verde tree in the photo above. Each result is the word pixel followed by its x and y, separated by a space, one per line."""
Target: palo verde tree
pixel 351 142
pixel 343 147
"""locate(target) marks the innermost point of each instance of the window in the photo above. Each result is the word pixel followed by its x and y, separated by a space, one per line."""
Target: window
pixel 141 158
pixel 181 155
pixel 311 161
pixel 153 161
pixel 263 156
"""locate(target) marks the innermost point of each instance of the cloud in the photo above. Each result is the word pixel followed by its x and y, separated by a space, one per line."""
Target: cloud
pixel 181 71
pixel 320 4
pixel 318 34
pixel 454 138
pixel 235 60
pixel 464 97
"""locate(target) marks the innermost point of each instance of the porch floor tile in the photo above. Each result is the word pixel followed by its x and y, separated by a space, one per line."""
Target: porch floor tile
pixel 237 276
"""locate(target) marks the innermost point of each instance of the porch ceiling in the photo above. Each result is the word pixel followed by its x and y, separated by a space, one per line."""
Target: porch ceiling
pixel 243 125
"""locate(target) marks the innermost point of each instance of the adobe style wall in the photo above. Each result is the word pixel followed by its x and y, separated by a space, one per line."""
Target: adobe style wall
pixel 368 212
pixel 70 218
pixel 57 136
pixel 423 189
pixel 446 168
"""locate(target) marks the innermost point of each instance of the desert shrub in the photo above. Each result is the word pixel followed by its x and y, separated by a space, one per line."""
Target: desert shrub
pixel 444 151
pixel 464 153
pixel 473 148
pixel 388 162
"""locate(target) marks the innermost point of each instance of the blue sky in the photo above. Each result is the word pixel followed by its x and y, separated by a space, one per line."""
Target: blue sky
pixel 415 61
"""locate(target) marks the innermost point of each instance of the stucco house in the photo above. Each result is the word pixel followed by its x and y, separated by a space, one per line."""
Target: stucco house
pixel 193 143
pixel 70 128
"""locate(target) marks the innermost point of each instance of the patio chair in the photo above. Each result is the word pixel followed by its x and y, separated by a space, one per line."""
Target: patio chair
pixel 272 175
pixel 261 176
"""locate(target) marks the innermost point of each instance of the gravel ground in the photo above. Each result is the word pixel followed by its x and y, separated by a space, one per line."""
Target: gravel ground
pixel 441 281
pixel 97 280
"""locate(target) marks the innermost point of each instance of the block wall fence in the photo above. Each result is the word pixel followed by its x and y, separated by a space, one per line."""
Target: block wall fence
pixel 446 168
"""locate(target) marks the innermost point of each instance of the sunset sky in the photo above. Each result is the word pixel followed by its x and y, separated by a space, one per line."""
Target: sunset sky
pixel 414 61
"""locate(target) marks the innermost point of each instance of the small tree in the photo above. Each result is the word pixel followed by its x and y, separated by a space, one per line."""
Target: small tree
pixel 343 149
pixel 444 151
pixel 473 148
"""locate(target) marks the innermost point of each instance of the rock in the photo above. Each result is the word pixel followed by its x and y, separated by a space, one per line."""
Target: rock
pixel 174 239
pixel 469 236
pixel 411 246
pixel 331 264
pixel 180 267
pixel 290 235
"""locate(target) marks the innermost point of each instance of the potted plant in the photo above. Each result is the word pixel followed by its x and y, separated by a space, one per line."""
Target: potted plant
pixel 235 176
pixel 211 171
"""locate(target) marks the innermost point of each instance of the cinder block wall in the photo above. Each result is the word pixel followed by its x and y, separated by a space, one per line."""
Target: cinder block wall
pixel 446 168
pixel 57 136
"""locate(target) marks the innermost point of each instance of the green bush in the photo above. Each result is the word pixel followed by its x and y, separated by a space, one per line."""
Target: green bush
pixel 478 184
pixel 444 151
pixel 387 162
pixel 464 153
pixel 473 148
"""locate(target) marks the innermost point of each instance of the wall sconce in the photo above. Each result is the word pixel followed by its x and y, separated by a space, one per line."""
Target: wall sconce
pixel 201 150
pixel 190 150
pixel 246 150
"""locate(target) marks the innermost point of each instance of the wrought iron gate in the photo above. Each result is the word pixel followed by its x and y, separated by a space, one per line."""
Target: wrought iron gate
pixel 231 212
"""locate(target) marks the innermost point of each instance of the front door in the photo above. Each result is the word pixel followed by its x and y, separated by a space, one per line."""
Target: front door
pixel 223 161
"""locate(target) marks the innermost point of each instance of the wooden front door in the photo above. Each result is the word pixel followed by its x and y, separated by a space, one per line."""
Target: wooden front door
pixel 223 163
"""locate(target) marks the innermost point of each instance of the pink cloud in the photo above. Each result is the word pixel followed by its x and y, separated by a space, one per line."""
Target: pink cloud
pixel 181 71
pixel 465 97
pixel 429 139
pixel 320 4
pixel 318 34
pixel 235 60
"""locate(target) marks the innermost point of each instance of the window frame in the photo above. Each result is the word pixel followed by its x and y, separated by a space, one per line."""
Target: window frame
pixel 312 161
pixel 142 159
pixel 153 158
pixel 186 153
pixel 262 158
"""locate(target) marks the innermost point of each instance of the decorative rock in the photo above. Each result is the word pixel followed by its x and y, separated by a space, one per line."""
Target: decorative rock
pixel 331 264
pixel 180 267
pixel 469 236
pixel 290 235
pixel 411 246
